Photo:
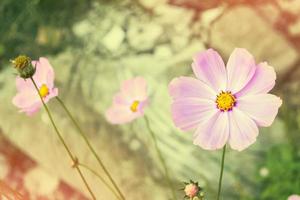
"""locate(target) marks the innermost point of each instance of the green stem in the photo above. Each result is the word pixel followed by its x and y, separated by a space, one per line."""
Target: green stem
pixel 100 177
pixel 63 141
pixel 221 173
pixel 161 158
pixel 91 147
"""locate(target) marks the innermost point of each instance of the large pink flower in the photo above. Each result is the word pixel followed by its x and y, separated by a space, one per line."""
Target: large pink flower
pixel 225 104
pixel 129 102
pixel 27 98
pixel 294 197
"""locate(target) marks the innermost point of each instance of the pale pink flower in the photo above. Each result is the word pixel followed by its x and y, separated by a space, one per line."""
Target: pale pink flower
pixel 294 197
pixel 225 104
pixel 27 98
pixel 191 190
pixel 129 103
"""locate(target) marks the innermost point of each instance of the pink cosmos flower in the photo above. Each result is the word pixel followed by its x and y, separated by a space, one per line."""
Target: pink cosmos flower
pixel 294 197
pixel 27 98
pixel 225 104
pixel 129 103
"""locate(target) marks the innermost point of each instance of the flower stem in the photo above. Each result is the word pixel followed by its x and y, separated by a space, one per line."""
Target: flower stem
pixel 161 158
pixel 63 142
pixel 221 173
pixel 91 148
pixel 100 177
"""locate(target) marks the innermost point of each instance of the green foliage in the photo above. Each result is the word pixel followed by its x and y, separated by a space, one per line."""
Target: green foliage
pixel 35 26
pixel 283 163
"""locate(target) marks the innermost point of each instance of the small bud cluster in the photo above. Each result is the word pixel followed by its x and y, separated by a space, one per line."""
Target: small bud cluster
pixel 193 191
pixel 24 66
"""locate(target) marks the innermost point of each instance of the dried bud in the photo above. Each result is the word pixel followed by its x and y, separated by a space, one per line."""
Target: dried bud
pixel 21 62
pixel 23 65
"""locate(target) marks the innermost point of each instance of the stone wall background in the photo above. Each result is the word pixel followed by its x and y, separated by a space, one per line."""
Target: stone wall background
pixel 155 39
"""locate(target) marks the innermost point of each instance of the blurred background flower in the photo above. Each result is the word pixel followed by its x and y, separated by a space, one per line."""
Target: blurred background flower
pixel 94 45
pixel 294 197
pixel 129 103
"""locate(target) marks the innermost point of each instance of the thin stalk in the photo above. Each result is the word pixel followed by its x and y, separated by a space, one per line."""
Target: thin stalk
pixel 100 177
pixel 63 142
pixel 91 147
pixel 221 173
pixel 161 158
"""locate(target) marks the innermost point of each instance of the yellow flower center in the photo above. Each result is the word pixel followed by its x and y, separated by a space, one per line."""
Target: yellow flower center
pixel 134 106
pixel 225 101
pixel 44 90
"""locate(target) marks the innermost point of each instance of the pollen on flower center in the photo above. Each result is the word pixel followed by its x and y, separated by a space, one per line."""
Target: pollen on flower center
pixel 134 106
pixel 44 90
pixel 225 101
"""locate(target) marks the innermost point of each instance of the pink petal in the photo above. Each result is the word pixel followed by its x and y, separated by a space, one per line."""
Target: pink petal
pixel 53 93
pixel 240 69
pixel 26 98
pixel 209 67
pixel 24 84
pixel 50 79
pixel 142 106
pixel 187 113
pixel 190 87
pixel 44 72
pixel 32 109
pixel 134 89
pixel 213 133
pixel 262 81
pixel 122 99
pixel 28 101
pixel 262 108
pixel 120 114
pixel 243 130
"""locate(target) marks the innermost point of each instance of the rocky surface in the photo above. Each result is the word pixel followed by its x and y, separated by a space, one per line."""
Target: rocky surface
pixel 236 29
pixel 155 40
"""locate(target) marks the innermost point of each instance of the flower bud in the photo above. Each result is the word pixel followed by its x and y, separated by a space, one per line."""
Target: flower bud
pixel 24 67
pixel 193 191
